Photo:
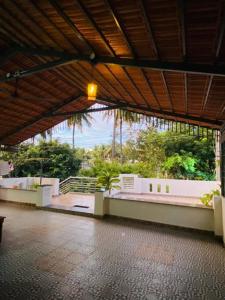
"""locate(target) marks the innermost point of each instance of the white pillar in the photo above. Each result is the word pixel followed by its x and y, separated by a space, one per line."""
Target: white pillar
pixel 44 195
pixel 218 219
pixel 223 218
pixel 99 204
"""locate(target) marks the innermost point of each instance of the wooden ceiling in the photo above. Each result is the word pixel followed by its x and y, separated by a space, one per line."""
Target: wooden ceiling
pixel 163 58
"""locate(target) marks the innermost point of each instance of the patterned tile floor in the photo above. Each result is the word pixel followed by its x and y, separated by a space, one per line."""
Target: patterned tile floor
pixel 69 200
pixel 47 255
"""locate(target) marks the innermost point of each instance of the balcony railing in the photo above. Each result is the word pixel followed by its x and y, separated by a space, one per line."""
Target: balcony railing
pixel 78 184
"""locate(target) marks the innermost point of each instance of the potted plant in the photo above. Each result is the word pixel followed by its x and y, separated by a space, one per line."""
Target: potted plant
pixel 108 181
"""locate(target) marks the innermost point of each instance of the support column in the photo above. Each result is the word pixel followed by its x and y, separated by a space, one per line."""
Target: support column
pixel 222 169
pixel 218 155
pixel 99 209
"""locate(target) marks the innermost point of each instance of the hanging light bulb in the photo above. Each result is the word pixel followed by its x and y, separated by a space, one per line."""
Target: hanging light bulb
pixel 92 87
pixel 92 91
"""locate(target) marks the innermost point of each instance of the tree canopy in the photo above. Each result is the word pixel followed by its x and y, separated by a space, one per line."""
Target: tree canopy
pixel 151 153
pixel 50 159
pixel 164 154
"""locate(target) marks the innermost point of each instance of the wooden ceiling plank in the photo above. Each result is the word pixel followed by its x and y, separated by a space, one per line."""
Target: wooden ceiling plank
pixel 221 30
pixel 120 84
pixel 42 12
pixel 40 117
pixel 71 24
pixel 129 46
pixel 172 115
pixel 181 11
pixel 44 51
pixel 120 27
pixel 149 28
pixel 27 50
pixel 186 92
pixel 95 26
pixel 205 101
pixel 167 91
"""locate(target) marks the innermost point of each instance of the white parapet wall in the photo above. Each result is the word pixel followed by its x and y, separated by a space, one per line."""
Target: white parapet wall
pixel 131 183
pixel 223 218
pixel 218 215
pixel 40 197
pixel 188 214
pixel 177 215
pixel 27 182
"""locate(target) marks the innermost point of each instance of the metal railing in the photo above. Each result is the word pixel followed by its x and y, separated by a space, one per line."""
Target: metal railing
pixel 78 184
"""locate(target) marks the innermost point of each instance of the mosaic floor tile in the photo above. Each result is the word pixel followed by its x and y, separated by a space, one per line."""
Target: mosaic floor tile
pixel 51 256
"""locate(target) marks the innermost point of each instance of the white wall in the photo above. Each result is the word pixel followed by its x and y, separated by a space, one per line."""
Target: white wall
pixel 176 187
pixel 184 216
pixel 223 218
pixel 26 182
pixel 54 182
pixel 218 215
pixel 39 197
pixel 223 198
pixel 21 196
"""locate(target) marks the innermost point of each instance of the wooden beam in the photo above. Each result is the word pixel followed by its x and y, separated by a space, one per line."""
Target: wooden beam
pixel 167 91
pixel 41 117
pixel 5 55
pixel 70 23
pixel 129 46
pixel 180 67
pixel 221 30
pixel 186 92
pixel 95 26
pixel 149 27
pixel 90 110
pixel 207 93
pixel 120 27
pixel 163 114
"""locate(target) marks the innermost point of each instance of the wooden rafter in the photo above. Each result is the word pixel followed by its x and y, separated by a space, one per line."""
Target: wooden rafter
pixel 43 116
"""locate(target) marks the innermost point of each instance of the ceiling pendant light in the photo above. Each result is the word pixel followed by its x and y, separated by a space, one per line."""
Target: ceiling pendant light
pixel 92 91
pixel 92 88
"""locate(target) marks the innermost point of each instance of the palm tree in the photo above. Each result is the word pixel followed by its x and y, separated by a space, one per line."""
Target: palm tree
pixel 47 133
pixel 120 116
pixel 129 118
pixel 79 120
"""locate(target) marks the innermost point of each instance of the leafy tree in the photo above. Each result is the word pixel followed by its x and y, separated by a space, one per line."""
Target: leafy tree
pixel 172 154
pixel 200 149
pixel 49 159
pixel 180 166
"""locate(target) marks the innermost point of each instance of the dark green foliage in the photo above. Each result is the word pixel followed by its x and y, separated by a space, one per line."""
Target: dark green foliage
pixel 152 153
pixel 48 159
pixel 160 154
pixel 199 152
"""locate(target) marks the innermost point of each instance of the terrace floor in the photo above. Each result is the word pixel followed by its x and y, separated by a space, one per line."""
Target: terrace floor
pixel 46 255
pixel 76 202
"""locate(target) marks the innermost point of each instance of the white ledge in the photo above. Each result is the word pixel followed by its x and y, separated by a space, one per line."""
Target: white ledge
pixel 161 199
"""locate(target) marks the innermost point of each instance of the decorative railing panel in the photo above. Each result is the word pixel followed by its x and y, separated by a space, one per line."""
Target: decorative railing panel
pixel 78 184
